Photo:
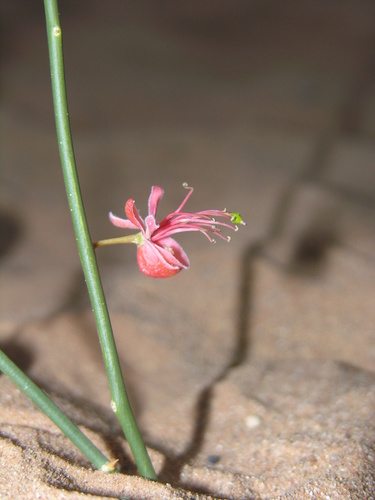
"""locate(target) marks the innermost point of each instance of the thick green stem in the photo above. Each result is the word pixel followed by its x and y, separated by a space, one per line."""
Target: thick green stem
pixel 120 401
pixel 52 411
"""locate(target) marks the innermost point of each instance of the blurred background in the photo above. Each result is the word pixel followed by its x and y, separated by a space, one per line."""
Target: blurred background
pixel 266 108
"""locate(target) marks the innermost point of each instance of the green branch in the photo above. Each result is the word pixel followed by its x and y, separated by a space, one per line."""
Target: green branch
pixel 52 411
pixel 120 402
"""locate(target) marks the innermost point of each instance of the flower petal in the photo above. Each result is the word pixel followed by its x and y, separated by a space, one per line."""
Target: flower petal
pixel 159 261
pixel 153 201
pixel 125 223
pixel 133 215
pixel 173 252
pixel 151 226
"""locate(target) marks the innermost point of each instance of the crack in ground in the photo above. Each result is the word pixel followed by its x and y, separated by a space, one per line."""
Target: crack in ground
pixel 312 175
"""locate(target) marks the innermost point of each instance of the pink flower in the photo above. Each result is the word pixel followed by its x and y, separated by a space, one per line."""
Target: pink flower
pixel 159 255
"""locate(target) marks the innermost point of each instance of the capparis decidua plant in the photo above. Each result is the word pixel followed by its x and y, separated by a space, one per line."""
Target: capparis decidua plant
pixel 158 254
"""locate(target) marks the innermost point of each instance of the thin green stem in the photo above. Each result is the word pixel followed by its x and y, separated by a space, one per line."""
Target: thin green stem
pixel 52 411
pixel 120 401
pixel 130 238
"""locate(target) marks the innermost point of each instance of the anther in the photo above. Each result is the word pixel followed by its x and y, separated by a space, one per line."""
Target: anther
pixel 228 239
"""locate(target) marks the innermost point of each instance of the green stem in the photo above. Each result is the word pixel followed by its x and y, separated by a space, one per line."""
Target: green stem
pixel 120 401
pixel 52 411
pixel 130 238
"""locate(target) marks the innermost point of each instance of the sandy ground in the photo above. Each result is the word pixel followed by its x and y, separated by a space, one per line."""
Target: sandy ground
pixel 252 374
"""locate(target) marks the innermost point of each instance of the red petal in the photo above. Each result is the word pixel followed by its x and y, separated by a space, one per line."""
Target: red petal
pixel 153 201
pixel 151 226
pixel 159 262
pixel 125 223
pixel 173 252
pixel 133 215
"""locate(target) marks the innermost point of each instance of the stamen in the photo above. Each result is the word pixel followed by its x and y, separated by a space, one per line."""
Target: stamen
pixel 213 241
pixel 236 228
pixel 186 186
pixel 213 219
pixel 228 239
